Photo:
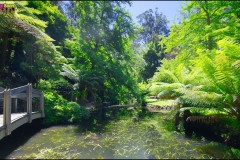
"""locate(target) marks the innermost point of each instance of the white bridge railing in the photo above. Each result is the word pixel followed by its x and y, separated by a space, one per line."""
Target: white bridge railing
pixel 10 105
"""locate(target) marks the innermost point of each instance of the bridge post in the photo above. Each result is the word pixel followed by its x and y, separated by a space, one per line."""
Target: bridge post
pixel 29 102
pixel 7 111
pixel 42 104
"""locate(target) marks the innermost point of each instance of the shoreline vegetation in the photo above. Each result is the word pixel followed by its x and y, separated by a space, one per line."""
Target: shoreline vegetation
pixel 183 81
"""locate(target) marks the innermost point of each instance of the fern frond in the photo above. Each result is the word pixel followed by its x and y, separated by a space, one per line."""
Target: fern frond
pixel 223 73
pixel 28 15
pixel 31 20
pixel 208 66
pixel 69 72
pixel 171 86
pixel 171 75
pixel 200 98
pixel 230 48
pixel 32 30
pixel 236 65
pixel 164 89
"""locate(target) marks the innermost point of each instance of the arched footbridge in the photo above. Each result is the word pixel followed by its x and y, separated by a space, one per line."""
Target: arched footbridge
pixel 19 106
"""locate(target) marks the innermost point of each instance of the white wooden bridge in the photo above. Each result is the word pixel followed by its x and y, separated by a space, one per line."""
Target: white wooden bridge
pixel 19 106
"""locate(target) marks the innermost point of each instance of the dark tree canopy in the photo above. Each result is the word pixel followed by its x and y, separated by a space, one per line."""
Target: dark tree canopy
pixel 152 23
pixel 153 27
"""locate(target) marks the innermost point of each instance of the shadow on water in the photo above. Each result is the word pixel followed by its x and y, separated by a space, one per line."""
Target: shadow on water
pixel 19 137
pixel 110 137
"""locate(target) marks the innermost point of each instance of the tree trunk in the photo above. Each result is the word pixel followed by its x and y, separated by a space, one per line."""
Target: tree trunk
pixel 208 21
pixel 210 38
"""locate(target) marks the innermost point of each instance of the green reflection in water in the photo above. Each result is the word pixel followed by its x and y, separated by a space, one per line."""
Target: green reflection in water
pixel 122 138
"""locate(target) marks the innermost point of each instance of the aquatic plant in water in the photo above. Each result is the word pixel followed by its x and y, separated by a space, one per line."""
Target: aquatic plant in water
pixel 124 138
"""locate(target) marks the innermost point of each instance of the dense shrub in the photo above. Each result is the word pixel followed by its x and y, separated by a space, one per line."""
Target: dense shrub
pixel 64 88
pixel 59 110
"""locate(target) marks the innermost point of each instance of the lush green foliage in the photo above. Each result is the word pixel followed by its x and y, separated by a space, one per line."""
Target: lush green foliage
pixel 205 71
pixel 96 57
pixel 153 26
pixel 28 53
pixel 89 64
pixel 58 110
pixel 101 65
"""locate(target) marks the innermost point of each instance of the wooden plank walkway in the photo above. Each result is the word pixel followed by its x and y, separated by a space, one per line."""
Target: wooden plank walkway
pixel 10 121
pixel 14 117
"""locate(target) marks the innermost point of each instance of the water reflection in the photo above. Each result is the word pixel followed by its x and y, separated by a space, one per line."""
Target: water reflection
pixel 146 139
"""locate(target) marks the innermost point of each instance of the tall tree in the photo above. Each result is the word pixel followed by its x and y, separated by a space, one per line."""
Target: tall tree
pixel 203 24
pixel 152 23
pixel 153 27
pixel 101 50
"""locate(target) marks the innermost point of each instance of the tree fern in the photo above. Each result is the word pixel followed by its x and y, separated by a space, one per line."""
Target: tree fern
pixel 42 57
pixel 200 98
pixel 230 48
pixel 208 58
pixel 29 15
pixel 224 74
pixel 25 22
pixel 69 72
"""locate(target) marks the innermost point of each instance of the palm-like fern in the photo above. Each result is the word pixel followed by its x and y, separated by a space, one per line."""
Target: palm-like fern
pixel 69 72
pixel 24 21
pixel 200 98
pixel 168 89
pixel 25 26
pixel 216 84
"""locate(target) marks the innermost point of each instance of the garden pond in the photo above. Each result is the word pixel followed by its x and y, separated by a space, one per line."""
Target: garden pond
pixel 148 138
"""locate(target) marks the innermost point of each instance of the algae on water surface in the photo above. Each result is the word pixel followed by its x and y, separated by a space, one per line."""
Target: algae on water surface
pixel 123 138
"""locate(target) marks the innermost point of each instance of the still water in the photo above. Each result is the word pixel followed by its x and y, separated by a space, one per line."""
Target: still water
pixel 123 138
